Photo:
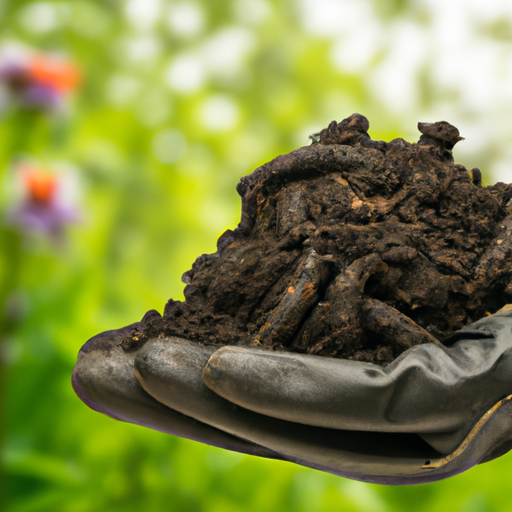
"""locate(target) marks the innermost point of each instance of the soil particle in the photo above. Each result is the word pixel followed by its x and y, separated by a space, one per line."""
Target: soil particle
pixel 351 248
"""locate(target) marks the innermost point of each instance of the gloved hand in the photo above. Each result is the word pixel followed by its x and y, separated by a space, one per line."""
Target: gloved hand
pixel 432 413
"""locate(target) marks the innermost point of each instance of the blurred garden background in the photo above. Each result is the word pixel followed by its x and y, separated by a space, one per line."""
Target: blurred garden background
pixel 125 126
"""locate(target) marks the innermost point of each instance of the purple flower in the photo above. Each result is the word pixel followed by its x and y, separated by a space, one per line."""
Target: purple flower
pixel 36 80
pixel 44 208
pixel 36 95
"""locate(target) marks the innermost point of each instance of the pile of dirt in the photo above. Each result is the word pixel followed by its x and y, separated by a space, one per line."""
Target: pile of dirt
pixel 351 248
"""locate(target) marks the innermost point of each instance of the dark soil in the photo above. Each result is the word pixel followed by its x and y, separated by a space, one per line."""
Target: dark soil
pixel 351 248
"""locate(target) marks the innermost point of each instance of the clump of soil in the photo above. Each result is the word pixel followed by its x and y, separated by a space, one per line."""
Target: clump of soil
pixel 351 248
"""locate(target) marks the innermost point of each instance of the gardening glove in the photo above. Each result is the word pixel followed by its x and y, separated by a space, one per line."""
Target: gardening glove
pixel 432 413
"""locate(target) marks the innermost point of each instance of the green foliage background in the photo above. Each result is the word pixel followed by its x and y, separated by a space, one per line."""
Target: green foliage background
pixel 158 165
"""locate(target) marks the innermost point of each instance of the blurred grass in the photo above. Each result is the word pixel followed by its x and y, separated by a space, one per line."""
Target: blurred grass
pixel 157 177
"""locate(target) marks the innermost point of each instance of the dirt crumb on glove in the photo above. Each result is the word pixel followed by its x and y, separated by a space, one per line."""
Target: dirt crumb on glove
pixel 351 248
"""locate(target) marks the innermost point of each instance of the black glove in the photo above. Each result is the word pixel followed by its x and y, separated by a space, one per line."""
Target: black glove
pixel 431 413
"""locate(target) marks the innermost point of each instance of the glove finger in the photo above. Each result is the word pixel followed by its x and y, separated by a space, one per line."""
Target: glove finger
pixel 331 393
pixel 103 379
pixel 312 390
pixel 169 369
pixel 428 389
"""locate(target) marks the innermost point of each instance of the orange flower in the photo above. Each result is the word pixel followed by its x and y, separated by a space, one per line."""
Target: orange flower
pixel 40 186
pixel 36 80
pixel 59 74
pixel 47 206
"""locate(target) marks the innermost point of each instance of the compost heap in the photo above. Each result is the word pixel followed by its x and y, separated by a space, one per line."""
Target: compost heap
pixel 351 248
